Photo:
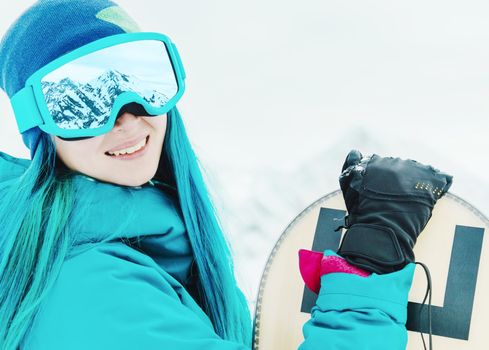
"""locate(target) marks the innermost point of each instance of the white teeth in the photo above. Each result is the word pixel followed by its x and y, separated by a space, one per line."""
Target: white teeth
pixel 130 149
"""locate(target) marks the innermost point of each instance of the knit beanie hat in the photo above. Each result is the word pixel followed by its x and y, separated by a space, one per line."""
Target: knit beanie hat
pixel 49 29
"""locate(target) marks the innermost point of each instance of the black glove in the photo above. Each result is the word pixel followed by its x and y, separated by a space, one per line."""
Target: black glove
pixel 389 202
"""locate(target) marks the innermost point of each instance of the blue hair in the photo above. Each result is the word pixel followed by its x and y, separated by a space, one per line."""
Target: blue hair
pixel 36 208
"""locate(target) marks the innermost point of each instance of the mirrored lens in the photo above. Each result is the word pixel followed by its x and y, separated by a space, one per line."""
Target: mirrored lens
pixel 81 93
pixel 133 108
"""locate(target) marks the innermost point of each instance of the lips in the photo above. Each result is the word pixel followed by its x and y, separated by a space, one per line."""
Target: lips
pixel 127 144
pixel 134 155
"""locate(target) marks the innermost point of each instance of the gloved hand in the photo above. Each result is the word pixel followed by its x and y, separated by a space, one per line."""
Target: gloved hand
pixel 389 202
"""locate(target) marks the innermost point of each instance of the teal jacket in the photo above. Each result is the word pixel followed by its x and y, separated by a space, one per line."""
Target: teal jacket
pixel 135 290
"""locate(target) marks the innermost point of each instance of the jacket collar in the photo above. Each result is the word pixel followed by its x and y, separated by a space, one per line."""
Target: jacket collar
pixel 149 214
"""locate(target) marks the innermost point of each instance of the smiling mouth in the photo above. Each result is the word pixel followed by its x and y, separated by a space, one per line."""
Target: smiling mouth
pixel 130 152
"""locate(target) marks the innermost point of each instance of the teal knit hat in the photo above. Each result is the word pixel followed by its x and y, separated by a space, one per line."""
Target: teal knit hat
pixel 47 30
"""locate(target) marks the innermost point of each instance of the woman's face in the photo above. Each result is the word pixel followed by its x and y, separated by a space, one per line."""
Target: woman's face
pixel 90 156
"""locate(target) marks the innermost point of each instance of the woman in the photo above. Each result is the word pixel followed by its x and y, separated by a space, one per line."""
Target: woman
pixel 103 250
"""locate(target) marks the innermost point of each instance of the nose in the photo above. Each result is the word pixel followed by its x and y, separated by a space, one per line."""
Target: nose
pixel 133 108
pixel 128 113
pixel 125 120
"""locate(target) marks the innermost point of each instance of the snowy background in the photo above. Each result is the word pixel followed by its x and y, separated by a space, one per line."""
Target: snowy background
pixel 278 92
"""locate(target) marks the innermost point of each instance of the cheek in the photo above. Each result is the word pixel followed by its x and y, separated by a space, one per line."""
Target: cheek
pixel 82 149
pixel 158 123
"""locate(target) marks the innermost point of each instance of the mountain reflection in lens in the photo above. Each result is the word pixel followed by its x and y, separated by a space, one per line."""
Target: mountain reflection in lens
pixel 81 93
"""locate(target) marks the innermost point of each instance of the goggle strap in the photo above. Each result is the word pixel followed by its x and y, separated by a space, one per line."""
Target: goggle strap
pixel 25 109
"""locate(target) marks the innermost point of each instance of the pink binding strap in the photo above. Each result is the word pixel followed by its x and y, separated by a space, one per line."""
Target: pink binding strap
pixel 313 265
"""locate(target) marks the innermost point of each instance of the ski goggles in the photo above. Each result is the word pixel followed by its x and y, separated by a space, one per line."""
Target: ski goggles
pixel 80 94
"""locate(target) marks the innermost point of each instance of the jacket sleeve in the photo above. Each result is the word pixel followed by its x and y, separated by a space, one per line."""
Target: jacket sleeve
pixel 111 297
pixel 355 312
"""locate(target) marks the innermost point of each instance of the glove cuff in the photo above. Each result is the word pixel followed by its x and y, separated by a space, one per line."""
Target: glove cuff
pixel 373 248
pixel 313 265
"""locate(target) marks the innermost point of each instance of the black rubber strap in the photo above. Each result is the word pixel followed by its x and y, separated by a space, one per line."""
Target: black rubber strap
pixel 371 247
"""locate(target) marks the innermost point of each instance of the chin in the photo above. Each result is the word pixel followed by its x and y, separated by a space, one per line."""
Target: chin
pixel 133 183
pixel 122 181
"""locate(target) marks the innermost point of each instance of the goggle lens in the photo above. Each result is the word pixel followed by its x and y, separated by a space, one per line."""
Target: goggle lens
pixel 81 94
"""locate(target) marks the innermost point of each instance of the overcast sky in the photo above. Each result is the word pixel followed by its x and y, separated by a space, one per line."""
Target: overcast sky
pixel 275 83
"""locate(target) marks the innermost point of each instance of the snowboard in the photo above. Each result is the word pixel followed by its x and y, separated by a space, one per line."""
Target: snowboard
pixel 451 245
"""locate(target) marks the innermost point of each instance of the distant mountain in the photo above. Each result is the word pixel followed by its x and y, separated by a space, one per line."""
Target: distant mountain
pixel 256 205
pixel 76 105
